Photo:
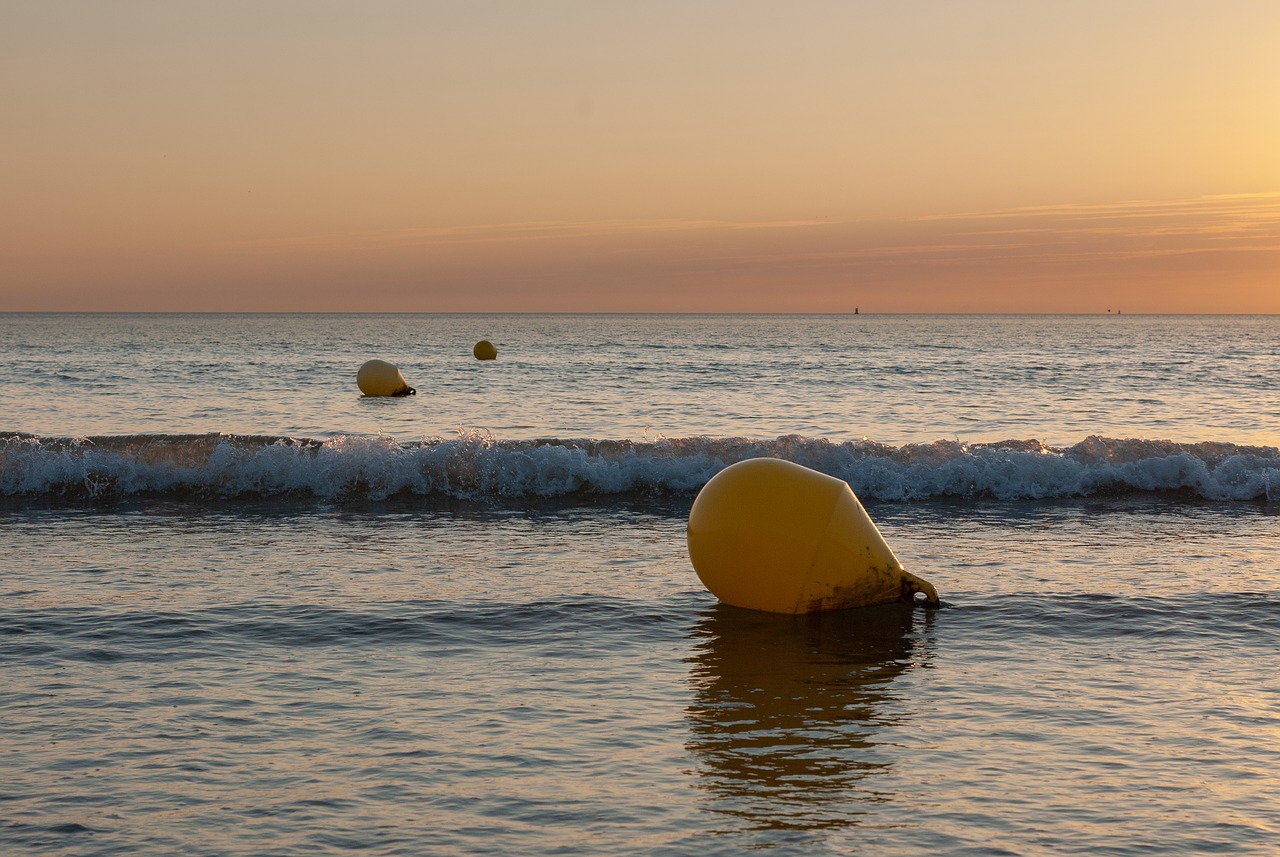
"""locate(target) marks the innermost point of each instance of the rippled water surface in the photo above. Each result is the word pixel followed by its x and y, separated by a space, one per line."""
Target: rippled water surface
pixel 214 646
pixel 895 379
pixel 466 680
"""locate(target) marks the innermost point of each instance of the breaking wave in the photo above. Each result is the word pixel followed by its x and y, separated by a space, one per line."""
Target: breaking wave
pixel 475 464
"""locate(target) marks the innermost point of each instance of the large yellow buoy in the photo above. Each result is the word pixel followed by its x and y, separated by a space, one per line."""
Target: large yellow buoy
pixel 380 378
pixel 484 350
pixel 771 535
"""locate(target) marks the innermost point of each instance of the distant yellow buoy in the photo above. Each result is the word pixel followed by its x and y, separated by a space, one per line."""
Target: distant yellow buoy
pixel 484 350
pixel 771 535
pixel 380 378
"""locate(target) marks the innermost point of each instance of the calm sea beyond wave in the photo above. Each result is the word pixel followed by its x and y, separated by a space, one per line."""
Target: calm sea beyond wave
pixel 247 611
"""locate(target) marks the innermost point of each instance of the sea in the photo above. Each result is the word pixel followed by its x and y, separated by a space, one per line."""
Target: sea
pixel 245 610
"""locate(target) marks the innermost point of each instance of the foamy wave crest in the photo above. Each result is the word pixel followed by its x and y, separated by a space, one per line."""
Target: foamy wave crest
pixel 477 465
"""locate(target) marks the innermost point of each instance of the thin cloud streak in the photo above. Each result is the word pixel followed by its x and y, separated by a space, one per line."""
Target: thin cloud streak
pixel 1154 256
pixel 518 232
pixel 1067 232
pixel 1267 204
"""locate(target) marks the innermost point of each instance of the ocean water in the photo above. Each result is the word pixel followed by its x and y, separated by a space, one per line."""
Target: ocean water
pixel 247 611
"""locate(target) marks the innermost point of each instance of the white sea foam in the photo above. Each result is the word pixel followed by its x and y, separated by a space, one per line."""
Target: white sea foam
pixel 475 464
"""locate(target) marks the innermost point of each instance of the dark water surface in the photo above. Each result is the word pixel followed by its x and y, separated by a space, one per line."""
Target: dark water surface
pixel 245 611
pixel 893 378
pixel 299 678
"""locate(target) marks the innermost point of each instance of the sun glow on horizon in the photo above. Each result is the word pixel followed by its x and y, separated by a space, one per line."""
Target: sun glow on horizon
pixel 715 157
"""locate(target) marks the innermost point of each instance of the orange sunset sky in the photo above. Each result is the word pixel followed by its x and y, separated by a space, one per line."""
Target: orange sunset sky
pixel 720 156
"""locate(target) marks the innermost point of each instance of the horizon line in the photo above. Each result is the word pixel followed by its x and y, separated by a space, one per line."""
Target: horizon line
pixel 836 313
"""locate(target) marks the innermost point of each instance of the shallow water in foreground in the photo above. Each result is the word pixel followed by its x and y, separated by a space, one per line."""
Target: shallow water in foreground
pixel 307 677
pixel 245 611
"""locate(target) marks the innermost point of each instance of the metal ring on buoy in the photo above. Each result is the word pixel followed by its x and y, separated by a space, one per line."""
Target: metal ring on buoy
pixel 771 535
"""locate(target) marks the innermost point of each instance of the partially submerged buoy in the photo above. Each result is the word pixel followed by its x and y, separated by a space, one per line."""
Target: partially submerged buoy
pixel 380 378
pixel 484 350
pixel 771 535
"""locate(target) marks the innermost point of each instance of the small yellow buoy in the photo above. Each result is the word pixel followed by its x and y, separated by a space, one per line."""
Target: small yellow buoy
pixel 484 350
pixel 380 378
pixel 771 535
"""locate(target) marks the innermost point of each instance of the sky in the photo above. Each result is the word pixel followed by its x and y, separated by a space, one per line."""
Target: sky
pixel 693 156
